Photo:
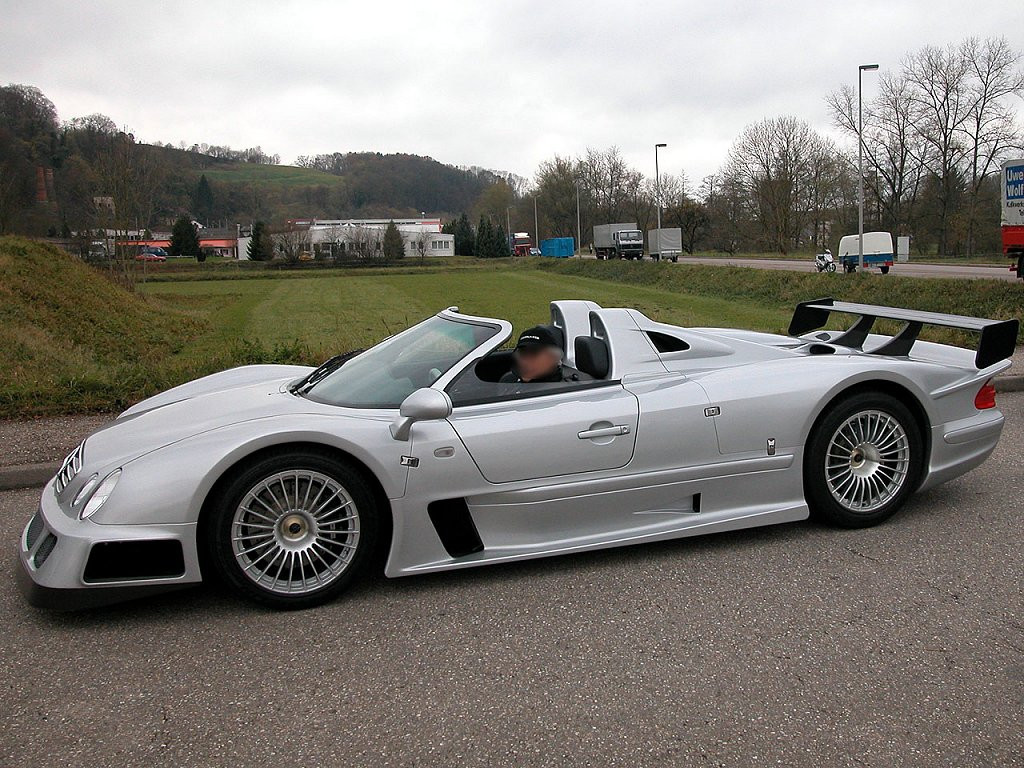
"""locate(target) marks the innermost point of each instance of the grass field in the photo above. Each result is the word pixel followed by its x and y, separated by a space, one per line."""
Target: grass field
pixel 319 315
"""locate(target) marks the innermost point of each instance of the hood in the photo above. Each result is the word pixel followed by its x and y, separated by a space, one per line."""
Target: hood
pixel 230 397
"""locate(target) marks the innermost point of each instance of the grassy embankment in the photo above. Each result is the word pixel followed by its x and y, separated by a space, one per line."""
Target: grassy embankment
pixel 72 341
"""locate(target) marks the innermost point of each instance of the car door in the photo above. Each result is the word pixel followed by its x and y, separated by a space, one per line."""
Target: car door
pixel 550 435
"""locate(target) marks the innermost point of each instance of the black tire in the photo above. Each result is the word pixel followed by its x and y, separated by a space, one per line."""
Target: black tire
pixel 892 475
pixel 884 269
pixel 338 541
pixel 1020 266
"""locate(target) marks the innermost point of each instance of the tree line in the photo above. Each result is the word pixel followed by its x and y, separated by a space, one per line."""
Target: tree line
pixel 934 137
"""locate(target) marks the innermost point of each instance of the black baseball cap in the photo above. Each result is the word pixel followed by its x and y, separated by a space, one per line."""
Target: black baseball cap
pixel 540 336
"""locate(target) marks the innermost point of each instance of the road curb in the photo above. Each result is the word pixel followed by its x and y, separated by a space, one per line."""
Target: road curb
pixel 26 475
pixel 1009 383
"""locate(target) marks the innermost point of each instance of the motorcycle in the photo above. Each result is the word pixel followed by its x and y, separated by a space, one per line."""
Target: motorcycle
pixel 824 261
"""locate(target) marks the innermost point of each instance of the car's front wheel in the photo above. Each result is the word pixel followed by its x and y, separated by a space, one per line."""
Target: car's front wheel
pixel 862 460
pixel 293 529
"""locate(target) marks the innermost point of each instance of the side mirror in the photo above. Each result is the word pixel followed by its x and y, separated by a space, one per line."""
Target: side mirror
pixel 422 405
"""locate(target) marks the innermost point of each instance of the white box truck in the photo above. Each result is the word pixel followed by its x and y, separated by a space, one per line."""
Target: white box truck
pixel 618 241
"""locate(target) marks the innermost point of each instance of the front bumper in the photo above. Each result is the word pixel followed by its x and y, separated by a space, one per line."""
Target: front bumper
pixel 70 564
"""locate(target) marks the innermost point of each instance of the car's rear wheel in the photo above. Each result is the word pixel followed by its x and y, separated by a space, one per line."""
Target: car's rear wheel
pixel 863 460
pixel 293 529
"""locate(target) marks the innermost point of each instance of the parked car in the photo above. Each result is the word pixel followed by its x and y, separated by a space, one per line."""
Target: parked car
pixel 281 479
pixel 152 253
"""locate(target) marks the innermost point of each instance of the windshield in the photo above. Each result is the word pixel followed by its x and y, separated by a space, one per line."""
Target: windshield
pixel 630 235
pixel 383 376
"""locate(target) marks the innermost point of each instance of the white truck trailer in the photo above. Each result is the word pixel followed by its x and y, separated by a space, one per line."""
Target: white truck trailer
pixel 665 243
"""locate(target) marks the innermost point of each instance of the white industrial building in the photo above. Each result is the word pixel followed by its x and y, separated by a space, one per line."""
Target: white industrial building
pixel 419 235
pixel 338 237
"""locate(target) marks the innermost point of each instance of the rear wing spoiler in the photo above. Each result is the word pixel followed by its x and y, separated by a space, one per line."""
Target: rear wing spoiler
pixel 997 341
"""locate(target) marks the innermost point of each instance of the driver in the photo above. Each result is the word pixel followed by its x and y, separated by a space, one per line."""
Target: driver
pixel 538 359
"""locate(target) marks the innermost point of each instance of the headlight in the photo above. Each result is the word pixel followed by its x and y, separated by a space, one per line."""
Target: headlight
pixel 83 493
pixel 101 495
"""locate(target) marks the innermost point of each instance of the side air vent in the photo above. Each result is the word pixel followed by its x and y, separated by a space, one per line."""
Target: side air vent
pixel 455 527
pixel 663 342
pixel 821 349
pixel 71 466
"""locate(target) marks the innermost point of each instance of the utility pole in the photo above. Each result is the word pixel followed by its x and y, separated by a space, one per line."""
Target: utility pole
pixel 579 230
pixel 860 164
pixel 657 194
pixel 536 225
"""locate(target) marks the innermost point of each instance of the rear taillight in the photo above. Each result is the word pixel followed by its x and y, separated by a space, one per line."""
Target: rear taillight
pixel 986 397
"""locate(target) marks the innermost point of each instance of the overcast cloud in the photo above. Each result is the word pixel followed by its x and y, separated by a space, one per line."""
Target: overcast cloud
pixel 501 85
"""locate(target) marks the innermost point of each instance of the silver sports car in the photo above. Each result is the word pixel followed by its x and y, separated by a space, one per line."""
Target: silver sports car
pixel 283 480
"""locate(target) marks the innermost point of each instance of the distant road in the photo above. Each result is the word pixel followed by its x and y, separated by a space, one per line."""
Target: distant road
pixel 909 269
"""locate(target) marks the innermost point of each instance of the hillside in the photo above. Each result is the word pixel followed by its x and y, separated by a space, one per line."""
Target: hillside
pixel 54 171
pixel 69 336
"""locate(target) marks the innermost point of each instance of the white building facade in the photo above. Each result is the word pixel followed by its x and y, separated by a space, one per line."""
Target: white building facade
pixel 422 237
pixel 340 238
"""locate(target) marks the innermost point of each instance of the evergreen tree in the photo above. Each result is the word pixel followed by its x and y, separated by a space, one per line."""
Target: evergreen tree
pixel 481 245
pixel 465 240
pixel 500 247
pixel 394 245
pixel 260 248
pixel 202 200
pixel 184 240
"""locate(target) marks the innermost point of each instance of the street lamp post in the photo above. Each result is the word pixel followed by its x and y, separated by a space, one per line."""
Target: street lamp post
pixel 579 230
pixel 860 163
pixel 536 226
pixel 657 193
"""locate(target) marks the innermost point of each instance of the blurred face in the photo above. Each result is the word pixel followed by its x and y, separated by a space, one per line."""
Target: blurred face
pixel 536 362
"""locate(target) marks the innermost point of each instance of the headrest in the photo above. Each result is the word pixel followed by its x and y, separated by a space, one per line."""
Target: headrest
pixel 592 356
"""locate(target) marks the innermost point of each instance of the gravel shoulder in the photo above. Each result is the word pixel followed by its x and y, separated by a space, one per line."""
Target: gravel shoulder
pixel 45 441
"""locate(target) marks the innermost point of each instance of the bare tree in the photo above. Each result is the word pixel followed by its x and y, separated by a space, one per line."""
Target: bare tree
pixel 292 243
pixel 556 193
pixel 605 176
pixel 990 127
pixel 892 146
pixel 940 100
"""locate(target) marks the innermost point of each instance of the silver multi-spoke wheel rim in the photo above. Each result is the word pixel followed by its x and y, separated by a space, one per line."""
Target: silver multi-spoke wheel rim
pixel 295 532
pixel 867 461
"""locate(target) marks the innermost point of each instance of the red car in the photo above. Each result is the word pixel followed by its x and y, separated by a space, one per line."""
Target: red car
pixel 152 254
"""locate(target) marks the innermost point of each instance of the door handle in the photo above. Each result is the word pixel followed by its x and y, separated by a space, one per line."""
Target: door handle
pixel 618 429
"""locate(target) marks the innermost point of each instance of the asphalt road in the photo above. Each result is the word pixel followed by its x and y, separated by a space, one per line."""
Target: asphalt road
pixel 795 645
pixel 908 269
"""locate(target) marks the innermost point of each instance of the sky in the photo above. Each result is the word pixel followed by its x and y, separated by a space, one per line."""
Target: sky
pixel 501 85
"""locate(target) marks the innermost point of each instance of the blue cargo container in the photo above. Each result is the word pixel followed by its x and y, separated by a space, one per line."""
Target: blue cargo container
pixel 558 247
